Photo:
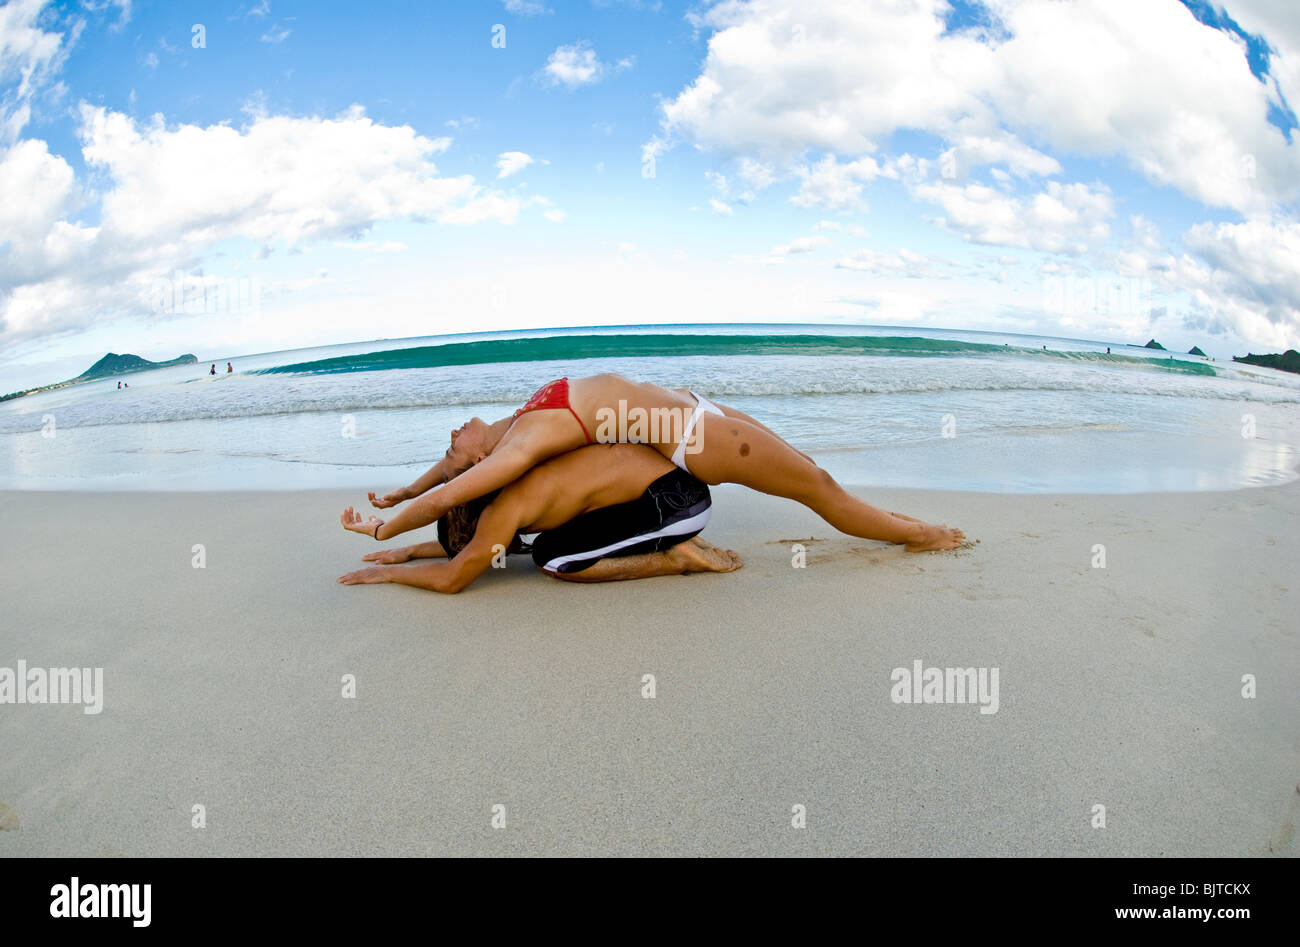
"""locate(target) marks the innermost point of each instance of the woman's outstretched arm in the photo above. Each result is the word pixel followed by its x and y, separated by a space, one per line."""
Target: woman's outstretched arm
pixel 503 466
pixel 423 484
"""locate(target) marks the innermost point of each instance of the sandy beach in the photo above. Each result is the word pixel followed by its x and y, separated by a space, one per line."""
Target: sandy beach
pixel 223 686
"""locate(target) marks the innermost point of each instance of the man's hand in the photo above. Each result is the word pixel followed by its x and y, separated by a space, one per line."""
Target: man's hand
pixel 351 520
pixel 388 557
pixel 371 576
pixel 389 499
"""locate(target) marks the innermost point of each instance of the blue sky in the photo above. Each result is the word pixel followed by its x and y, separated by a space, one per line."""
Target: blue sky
pixel 329 172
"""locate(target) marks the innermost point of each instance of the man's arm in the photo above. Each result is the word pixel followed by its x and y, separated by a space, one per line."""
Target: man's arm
pixel 388 557
pixel 496 528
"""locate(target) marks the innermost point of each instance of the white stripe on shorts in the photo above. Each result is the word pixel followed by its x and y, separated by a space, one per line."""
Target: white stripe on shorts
pixel 690 525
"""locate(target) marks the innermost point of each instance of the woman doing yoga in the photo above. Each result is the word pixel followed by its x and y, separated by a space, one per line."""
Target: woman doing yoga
pixel 714 443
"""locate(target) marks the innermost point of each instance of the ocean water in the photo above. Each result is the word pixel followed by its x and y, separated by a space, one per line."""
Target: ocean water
pixel 877 406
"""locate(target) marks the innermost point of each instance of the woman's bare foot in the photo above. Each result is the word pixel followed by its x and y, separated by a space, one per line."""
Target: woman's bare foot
pixel 930 537
pixel 697 555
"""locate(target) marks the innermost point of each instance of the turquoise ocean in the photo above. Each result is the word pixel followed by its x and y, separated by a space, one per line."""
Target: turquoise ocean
pixel 875 405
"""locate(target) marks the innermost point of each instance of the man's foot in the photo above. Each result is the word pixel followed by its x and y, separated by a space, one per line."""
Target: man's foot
pixel 696 555
pixel 930 537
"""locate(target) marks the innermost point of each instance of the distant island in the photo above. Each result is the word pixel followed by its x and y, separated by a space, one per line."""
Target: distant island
pixel 1196 350
pixel 1153 344
pixel 113 364
pixel 1288 361
pixel 110 364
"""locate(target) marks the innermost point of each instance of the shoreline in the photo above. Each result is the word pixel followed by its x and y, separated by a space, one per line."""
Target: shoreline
pixel 222 686
pixel 1047 463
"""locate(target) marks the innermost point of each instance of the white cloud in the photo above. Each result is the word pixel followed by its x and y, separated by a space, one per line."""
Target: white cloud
pixel 799 245
pixel 975 151
pixel 525 7
pixel 1063 218
pixel 782 253
pixel 276 35
pixel 29 58
pixel 1253 282
pixel 550 212
pixel 719 208
pixel 1145 234
pixel 836 186
pixel 577 65
pixel 172 193
pixel 1276 21
pixel 512 162
pixel 1145 81
pixel 903 263
pixel 756 174
pixel 123 8
pixel 36 189
pixel 856 230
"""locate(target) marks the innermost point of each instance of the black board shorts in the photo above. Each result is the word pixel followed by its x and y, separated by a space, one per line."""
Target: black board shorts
pixel 672 510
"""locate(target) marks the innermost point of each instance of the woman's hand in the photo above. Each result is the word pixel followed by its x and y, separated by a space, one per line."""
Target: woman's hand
pixel 388 557
pixel 371 576
pixel 351 520
pixel 389 499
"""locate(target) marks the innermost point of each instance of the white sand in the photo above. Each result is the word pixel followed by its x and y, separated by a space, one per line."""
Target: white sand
pixel 1118 686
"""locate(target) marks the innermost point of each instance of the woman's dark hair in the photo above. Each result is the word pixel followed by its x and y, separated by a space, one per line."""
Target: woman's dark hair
pixel 456 527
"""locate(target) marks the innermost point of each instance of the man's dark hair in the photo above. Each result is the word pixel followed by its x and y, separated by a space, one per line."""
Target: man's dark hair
pixel 456 527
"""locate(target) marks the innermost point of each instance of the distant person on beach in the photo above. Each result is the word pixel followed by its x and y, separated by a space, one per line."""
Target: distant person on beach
pixel 724 446
pixel 605 512
pixel 213 369
pixel 228 368
pixel 119 386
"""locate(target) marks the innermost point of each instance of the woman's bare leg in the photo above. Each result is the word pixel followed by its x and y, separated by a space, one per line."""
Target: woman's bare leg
pixel 732 450
pixel 733 413
pixel 694 555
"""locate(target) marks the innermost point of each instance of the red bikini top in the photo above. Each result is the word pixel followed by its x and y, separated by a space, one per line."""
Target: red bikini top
pixel 554 395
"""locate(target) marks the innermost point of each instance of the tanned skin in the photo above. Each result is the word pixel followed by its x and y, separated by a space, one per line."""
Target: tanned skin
pixel 544 498
pixel 726 449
